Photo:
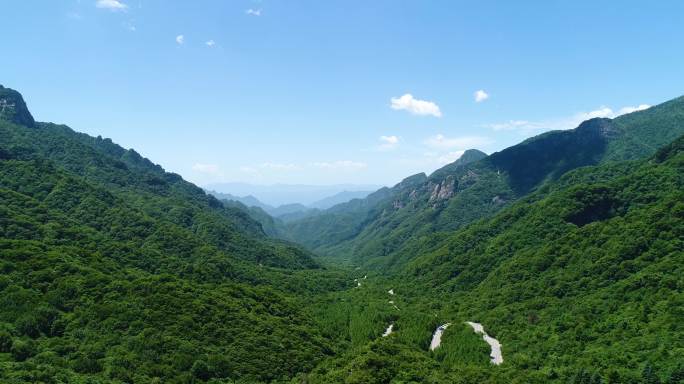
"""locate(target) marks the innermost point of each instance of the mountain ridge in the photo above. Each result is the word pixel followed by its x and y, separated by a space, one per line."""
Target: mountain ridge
pixel 458 194
pixel 281 194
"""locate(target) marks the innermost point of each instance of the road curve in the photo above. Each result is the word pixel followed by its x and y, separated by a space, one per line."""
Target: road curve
pixel 437 336
pixel 495 355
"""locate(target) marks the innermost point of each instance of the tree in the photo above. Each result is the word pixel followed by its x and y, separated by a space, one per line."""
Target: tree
pixel 648 376
pixel 22 350
pixel 200 369
pixel 5 341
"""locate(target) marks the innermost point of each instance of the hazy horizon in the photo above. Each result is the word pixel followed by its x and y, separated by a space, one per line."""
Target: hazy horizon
pixel 283 194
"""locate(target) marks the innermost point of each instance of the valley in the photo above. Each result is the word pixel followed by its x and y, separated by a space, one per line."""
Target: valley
pixel 558 259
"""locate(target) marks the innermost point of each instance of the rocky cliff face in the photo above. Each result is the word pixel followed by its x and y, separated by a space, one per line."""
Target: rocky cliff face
pixel 13 108
pixel 442 191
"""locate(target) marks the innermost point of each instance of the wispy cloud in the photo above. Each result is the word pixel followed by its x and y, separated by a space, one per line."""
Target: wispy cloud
pixel 248 170
pixel 211 169
pixel 73 15
pixel 626 110
pixel 210 43
pixel 415 106
pixel 481 96
pixel 112 5
pixel 442 142
pixel 568 122
pixel 449 157
pixel 444 150
pixel 279 166
pixel 511 125
pixel 274 168
pixel 388 142
pixel 180 39
pixel 129 26
pixel 431 160
pixel 253 12
pixel 341 165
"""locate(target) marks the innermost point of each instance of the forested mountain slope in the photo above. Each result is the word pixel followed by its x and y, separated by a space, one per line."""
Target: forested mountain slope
pixel 335 231
pixel 387 228
pixel 581 283
pixel 568 248
pixel 147 187
pixel 589 277
pixel 113 270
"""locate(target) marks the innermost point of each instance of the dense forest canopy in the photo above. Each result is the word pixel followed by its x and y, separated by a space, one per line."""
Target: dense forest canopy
pixel 113 268
pixel 567 248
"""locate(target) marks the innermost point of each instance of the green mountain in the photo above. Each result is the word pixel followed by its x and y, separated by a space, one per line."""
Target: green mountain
pixel 567 249
pixel 113 270
pixel 272 227
pixel 581 282
pixel 249 201
pixel 387 228
pixel 289 212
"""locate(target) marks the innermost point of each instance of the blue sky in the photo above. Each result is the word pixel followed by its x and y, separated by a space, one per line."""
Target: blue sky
pixel 325 92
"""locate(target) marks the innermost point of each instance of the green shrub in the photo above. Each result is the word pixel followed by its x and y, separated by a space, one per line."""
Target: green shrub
pixel 22 350
pixel 5 341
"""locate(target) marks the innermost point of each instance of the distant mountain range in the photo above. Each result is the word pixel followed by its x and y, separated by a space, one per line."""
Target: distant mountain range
pixel 313 196
pixel 296 208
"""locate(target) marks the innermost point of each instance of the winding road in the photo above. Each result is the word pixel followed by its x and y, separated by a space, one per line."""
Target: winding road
pixel 437 336
pixel 495 356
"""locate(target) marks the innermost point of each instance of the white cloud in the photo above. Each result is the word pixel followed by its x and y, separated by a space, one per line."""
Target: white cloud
pixel 180 39
pixel 210 43
pixel 341 165
pixel 415 106
pixel 481 96
pixel 253 12
pixel 527 127
pixel 601 112
pixel 626 110
pixel 211 169
pixel 112 5
pixel 442 142
pixel 388 142
pixel 389 139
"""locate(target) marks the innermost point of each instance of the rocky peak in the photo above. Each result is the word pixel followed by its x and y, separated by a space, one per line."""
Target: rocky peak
pixel 13 108
pixel 598 126
pixel 471 155
pixel 468 157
